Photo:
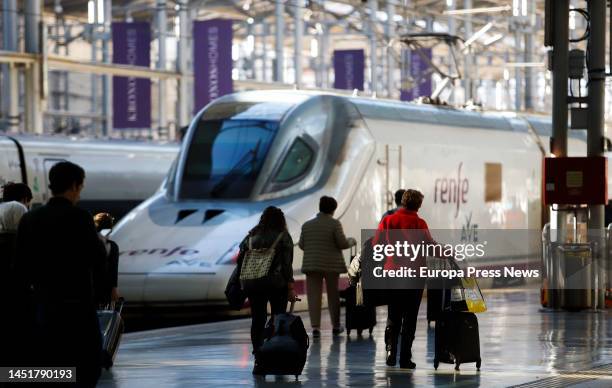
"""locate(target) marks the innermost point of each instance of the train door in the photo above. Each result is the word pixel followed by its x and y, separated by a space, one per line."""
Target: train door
pixel 47 164
pixel 392 164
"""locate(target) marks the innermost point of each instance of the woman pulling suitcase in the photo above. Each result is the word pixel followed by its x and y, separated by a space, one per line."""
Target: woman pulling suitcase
pixel 265 270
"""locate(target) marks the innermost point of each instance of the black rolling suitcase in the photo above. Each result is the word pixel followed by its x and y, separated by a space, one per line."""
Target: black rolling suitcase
pixel 284 350
pixel 434 304
pixel 457 339
pixel 357 317
pixel 111 326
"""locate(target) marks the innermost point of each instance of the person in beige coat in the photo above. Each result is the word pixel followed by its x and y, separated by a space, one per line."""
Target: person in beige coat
pixel 322 240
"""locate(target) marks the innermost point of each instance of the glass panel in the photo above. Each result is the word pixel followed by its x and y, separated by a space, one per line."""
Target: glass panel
pixel 296 162
pixel 225 157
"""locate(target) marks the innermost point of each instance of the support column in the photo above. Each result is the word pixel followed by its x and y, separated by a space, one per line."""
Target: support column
pixel 467 70
pixel 264 51
pixel 518 79
pixel 183 100
pixel 106 80
pixel 452 30
pixel 324 56
pixel 33 90
pixel 94 59
pixel 560 74
pixel 529 71
pixel 595 134
pixel 373 5
pixel 389 32
pixel 279 33
pixel 559 111
pixel 162 24
pixel 298 44
pixel 10 90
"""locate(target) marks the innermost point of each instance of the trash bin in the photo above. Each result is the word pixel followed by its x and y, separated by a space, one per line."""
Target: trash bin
pixel 574 261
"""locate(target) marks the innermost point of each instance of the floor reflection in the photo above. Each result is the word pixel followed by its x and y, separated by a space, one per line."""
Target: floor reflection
pixel 519 343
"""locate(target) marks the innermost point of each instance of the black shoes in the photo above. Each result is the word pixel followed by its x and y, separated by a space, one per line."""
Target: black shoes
pixel 407 364
pixel 257 370
pixel 391 346
pixel 391 355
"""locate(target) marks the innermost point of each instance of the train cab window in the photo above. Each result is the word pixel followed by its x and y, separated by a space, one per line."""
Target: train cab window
pixel 225 157
pixel 493 182
pixel 296 163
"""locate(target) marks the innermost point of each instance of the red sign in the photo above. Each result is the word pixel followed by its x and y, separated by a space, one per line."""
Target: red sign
pixel 575 181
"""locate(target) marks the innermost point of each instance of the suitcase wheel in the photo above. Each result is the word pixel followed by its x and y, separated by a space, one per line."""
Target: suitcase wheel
pixel 436 364
pixel 478 365
pixel 359 332
pixel 457 366
pixel 296 377
pixel 348 332
pixel 370 330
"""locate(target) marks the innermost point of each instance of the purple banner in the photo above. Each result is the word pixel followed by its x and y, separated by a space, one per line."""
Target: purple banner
pixel 420 74
pixel 348 69
pixel 212 60
pixel 131 95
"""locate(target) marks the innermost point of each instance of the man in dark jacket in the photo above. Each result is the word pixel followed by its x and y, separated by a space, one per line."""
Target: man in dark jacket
pixel 62 262
pixel 398 203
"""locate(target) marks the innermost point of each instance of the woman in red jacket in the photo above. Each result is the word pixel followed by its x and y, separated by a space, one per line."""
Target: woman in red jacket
pixel 404 225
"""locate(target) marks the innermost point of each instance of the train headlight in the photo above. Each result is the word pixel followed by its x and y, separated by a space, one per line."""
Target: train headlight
pixel 230 256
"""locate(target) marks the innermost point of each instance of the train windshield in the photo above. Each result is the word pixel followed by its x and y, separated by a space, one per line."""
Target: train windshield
pixel 225 157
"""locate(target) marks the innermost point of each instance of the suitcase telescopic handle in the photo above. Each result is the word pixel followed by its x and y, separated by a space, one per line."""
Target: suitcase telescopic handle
pixel 293 304
pixel 119 305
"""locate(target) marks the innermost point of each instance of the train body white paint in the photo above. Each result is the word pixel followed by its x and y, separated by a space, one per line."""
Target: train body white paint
pixel 119 174
pixel 249 150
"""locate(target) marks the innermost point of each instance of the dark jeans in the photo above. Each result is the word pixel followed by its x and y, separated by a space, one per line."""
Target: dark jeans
pixel 402 315
pixel 259 312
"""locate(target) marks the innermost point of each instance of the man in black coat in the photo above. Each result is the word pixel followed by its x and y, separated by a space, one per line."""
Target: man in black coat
pixel 63 262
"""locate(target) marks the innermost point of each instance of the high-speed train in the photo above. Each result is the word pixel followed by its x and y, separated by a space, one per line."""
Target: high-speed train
pixel 249 150
pixel 119 174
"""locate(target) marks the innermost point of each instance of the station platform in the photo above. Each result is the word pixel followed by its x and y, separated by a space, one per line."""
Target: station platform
pixel 521 344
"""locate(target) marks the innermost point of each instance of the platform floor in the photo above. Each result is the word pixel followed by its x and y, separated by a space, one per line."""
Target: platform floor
pixel 520 344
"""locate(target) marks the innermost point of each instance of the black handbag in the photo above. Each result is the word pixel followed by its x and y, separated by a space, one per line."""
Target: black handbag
pixel 233 291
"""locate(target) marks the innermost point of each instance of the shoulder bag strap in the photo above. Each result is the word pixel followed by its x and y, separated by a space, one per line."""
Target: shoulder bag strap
pixel 280 235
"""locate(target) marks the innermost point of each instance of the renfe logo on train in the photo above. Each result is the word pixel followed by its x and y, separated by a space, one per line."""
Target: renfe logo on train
pixel 162 252
pixel 452 190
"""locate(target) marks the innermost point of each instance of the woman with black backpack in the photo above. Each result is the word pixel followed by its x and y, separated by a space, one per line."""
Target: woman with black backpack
pixel 265 270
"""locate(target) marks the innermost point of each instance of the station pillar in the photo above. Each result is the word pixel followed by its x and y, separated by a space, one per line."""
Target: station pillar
pixel 34 98
pixel 595 134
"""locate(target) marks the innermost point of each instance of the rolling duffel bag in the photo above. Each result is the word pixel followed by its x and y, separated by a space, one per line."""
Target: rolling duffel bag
pixel 284 349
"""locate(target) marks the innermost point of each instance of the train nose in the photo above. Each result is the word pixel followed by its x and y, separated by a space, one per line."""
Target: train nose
pixel 164 260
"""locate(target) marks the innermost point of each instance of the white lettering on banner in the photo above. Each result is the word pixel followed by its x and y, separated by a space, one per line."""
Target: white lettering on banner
pixel 348 68
pixel 132 100
pixel 213 62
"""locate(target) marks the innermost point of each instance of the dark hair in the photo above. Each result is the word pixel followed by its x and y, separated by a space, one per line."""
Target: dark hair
pixel 103 221
pixel 63 175
pixel 412 199
pixel 398 196
pixel 327 205
pixel 16 192
pixel 272 219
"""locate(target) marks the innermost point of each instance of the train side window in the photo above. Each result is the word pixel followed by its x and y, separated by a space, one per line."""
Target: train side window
pixel 296 163
pixel 493 182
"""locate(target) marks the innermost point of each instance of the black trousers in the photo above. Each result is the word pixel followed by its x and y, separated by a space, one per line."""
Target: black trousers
pixel 402 314
pixel 259 311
